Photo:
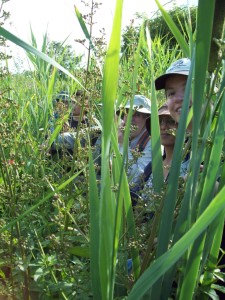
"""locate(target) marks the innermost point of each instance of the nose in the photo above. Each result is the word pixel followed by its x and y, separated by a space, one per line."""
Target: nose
pixel 122 123
pixel 125 119
pixel 162 124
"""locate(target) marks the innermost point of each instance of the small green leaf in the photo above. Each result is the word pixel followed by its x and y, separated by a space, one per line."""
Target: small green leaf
pixel 80 251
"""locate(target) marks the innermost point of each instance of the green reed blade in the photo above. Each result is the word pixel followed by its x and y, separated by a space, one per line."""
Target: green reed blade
pixel 157 168
pixel 168 259
pixel 172 26
pixel 40 201
pixel 94 230
pixel 191 271
pixel 172 189
pixel 14 39
pixel 107 206
pixel 124 194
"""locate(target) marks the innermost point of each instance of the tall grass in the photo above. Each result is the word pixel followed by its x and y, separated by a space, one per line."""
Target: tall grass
pixel 46 228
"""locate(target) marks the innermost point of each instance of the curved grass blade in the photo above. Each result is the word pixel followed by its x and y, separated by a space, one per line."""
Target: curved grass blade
pixel 14 39
pixel 40 201
pixel 168 259
pixel 172 26
pixel 172 189
pixel 212 167
pixel 124 194
pixel 157 168
pixel 204 32
pixel 107 207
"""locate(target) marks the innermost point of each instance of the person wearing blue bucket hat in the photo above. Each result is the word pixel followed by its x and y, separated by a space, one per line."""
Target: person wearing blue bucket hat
pixel 174 82
pixel 67 137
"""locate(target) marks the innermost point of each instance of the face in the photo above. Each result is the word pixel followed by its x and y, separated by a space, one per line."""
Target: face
pixel 76 109
pixel 138 123
pixel 167 130
pixel 77 105
pixel 61 107
pixel 174 88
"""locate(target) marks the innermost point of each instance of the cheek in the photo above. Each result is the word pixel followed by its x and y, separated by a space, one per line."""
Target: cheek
pixel 142 122
pixel 170 104
pixel 172 111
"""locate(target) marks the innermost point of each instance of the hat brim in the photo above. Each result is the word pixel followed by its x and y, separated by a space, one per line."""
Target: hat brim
pixel 161 80
pixel 161 112
pixel 65 100
pixel 139 109
pixel 164 112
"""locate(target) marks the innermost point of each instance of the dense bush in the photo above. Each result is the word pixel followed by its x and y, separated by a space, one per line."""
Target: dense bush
pixel 67 229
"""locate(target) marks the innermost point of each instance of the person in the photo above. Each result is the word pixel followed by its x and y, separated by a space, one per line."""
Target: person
pixel 143 192
pixel 168 127
pixel 63 103
pixel 79 100
pixel 139 138
pixel 66 138
pixel 174 82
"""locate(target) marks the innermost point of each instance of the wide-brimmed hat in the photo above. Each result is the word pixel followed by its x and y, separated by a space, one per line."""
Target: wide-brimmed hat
pixel 162 111
pixel 141 104
pixel 63 96
pixel 181 67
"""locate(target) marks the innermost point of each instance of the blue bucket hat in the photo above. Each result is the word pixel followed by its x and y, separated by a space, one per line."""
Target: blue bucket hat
pixel 180 67
pixel 63 96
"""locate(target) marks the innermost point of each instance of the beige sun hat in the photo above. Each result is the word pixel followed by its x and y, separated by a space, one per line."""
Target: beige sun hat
pixel 181 67
pixel 141 104
pixel 162 111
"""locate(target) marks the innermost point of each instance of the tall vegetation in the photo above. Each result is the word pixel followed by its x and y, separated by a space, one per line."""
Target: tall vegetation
pixel 67 229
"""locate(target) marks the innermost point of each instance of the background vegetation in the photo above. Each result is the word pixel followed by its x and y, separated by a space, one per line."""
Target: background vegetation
pixel 66 231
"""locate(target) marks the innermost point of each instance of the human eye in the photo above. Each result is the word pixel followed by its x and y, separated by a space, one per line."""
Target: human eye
pixel 136 114
pixel 169 93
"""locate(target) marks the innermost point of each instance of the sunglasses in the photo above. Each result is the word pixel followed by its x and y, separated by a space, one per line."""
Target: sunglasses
pixel 167 121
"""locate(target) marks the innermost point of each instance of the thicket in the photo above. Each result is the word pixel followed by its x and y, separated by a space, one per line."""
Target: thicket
pixel 66 230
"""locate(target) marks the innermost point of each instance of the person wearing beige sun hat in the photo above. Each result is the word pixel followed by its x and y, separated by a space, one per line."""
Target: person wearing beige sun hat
pixel 139 139
pixel 168 127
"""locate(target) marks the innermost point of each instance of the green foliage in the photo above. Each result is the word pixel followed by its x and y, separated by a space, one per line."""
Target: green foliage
pixel 65 56
pixel 66 230
pixel 183 17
